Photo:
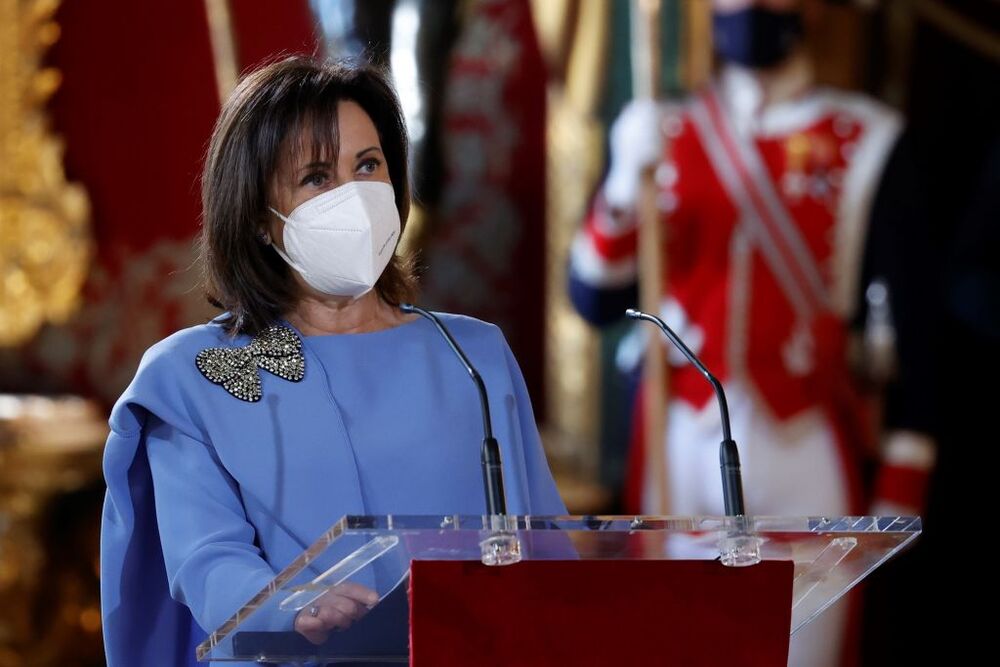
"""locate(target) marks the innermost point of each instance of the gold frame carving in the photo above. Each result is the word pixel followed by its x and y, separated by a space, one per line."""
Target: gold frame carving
pixel 45 241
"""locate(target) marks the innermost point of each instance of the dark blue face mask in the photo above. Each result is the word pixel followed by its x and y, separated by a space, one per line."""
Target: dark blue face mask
pixel 755 36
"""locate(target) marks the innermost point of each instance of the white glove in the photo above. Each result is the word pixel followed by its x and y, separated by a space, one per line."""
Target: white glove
pixel 636 140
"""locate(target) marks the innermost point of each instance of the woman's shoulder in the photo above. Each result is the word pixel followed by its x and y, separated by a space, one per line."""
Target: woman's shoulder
pixel 166 374
pixel 187 342
pixel 468 325
pixel 481 340
pixel 470 331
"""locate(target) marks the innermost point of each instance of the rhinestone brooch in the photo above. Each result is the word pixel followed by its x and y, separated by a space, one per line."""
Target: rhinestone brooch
pixel 277 349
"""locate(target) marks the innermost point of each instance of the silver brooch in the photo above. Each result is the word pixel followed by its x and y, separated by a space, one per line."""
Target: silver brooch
pixel 276 349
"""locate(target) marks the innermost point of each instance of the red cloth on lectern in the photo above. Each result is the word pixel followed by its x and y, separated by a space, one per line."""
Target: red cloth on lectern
pixel 599 613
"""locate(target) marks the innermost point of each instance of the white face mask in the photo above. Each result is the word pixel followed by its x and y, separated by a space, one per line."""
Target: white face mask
pixel 341 241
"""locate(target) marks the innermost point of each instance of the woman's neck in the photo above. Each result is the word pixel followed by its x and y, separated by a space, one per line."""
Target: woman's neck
pixel 317 315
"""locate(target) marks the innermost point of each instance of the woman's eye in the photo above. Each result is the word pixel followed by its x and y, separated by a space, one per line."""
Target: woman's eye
pixel 369 166
pixel 316 179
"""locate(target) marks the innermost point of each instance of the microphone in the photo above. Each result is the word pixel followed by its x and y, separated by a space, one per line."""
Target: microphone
pixel 729 456
pixel 496 502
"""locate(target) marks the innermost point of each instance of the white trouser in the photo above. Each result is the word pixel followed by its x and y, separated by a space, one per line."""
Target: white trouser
pixel 790 468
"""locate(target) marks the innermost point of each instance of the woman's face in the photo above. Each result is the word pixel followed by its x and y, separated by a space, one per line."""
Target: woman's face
pixel 300 178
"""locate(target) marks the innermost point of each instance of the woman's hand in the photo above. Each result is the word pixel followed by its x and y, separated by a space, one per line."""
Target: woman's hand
pixel 336 609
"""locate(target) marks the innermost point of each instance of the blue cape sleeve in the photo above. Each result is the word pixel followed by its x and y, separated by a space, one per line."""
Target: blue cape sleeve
pixel 177 553
pixel 543 496
pixel 143 625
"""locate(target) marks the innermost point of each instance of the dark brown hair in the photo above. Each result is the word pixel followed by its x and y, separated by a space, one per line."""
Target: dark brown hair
pixel 269 107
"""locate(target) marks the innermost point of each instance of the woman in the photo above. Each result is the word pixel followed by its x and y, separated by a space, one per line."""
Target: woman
pixel 313 396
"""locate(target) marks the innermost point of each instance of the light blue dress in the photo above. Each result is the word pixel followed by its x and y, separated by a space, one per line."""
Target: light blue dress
pixel 209 496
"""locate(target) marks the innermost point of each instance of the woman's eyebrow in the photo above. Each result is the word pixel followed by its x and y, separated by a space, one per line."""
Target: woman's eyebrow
pixel 367 150
pixel 315 164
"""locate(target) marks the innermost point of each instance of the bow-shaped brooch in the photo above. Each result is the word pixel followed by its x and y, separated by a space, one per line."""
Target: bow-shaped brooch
pixel 276 349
